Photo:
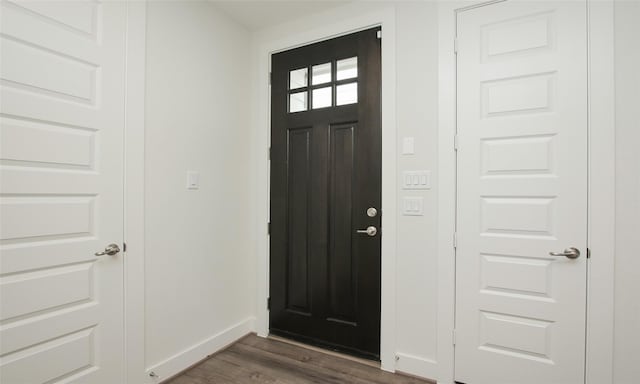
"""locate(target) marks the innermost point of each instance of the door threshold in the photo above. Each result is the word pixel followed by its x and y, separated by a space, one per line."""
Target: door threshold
pixel 370 363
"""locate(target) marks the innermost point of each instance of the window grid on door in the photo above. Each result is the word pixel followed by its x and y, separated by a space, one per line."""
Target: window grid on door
pixel 323 85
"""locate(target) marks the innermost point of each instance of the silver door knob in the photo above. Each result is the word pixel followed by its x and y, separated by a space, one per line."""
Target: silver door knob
pixel 371 230
pixel 571 253
pixel 110 250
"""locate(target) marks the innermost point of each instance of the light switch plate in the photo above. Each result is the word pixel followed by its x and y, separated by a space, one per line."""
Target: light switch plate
pixel 412 206
pixel 193 180
pixel 416 180
pixel 408 146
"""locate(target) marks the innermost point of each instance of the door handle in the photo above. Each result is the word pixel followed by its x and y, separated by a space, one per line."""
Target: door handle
pixel 110 250
pixel 371 230
pixel 571 253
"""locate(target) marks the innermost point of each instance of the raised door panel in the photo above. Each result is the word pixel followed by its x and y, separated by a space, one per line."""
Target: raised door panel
pixel 341 266
pixel 298 197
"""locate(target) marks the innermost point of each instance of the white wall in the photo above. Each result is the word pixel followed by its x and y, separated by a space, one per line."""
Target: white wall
pixel 417 93
pixel 627 275
pixel 198 261
pixel 417 103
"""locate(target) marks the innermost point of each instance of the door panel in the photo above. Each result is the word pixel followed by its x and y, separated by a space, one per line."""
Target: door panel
pixel 298 288
pixel 325 173
pixel 342 276
pixel 61 164
pixel 522 193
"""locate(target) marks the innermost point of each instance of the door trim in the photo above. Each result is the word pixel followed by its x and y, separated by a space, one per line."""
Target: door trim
pixel 385 18
pixel 134 323
pixel 601 190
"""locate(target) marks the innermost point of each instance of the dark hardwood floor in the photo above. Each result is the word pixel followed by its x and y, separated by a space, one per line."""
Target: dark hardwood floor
pixel 254 360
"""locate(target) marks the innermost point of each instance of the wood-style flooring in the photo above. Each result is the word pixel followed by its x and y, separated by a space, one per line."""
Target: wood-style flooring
pixel 255 360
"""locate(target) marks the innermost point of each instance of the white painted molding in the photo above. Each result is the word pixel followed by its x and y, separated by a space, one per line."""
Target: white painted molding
pixel 446 189
pixel 192 355
pixel 389 224
pixel 416 365
pixel 601 219
pixel 386 18
pixel 134 342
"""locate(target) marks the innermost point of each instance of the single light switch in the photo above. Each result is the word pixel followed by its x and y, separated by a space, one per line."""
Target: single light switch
pixel 412 206
pixel 193 180
pixel 416 180
pixel 408 146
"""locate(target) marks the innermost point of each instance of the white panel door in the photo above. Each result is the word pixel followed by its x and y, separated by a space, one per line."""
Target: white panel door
pixel 522 193
pixel 61 193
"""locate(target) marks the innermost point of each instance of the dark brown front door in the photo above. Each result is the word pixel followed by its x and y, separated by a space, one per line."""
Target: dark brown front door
pixel 325 177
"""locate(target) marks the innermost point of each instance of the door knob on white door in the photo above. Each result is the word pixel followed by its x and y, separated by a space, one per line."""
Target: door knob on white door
pixel 571 253
pixel 371 231
pixel 110 250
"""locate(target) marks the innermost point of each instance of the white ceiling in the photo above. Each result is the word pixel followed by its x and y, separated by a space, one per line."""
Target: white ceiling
pixel 256 14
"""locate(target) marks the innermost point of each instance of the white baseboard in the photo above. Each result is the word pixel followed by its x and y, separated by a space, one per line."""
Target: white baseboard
pixel 188 357
pixel 417 366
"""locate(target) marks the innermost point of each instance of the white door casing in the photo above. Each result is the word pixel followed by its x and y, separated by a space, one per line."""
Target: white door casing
pixel 521 193
pixel 61 163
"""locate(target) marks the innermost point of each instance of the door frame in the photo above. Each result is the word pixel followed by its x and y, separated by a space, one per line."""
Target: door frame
pixel 262 121
pixel 134 166
pixel 601 188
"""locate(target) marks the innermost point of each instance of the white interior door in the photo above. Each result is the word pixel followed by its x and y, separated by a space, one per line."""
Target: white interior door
pixel 522 193
pixel 61 194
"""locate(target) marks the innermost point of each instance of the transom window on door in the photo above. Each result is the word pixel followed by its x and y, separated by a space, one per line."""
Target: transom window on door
pixel 331 84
